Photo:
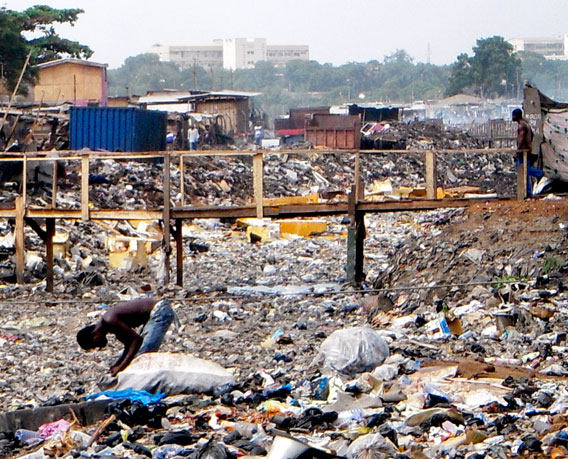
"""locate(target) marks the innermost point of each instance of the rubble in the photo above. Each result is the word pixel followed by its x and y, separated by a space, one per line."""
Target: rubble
pixel 471 304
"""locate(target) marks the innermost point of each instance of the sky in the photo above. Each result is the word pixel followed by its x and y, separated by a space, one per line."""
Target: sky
pixel 337 31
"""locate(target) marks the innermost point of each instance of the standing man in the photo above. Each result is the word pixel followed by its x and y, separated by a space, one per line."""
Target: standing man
pixel 524 137
pixel 193 137
pixel 524 143
pixel 121 321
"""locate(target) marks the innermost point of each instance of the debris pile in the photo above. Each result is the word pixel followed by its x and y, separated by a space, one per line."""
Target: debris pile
pixel 462 353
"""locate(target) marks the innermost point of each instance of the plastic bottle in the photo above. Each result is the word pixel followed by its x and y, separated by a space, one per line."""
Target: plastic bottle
pixel 246 429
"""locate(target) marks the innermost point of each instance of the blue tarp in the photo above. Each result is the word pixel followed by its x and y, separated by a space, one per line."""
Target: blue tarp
pixel 133 395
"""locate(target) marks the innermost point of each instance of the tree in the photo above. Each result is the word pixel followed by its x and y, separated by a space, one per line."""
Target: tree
pixel 145 72
pixel 492 71
pixel 48 46
pixel 461 76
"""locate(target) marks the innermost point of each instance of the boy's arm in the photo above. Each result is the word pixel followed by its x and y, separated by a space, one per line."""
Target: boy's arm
pixel 132 342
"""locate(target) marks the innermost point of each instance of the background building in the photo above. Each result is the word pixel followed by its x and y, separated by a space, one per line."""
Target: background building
pixel 551 47
pixel 207 56
pixel 231 53
pixel 72 80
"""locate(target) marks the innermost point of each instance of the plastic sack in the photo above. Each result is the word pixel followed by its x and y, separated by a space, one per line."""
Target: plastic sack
pixel 172 374
pixel 354 350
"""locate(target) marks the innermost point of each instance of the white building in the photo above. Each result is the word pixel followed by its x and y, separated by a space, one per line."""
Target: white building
pixel 551 47
pixel 208 56
pixel 231 53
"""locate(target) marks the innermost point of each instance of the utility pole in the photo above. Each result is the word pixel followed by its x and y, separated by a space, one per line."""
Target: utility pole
pixel 194 73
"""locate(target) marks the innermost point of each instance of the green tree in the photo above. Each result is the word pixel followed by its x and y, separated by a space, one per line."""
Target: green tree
pixel 145 72
pixel 492 71
pixel 461 75
pixel 14 46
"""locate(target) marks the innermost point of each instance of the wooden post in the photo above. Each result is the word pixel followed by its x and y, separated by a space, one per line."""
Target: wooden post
pixel 355 241
pixel 54 186
pixel 359 184
pixel 179 251
pixel 360 234
pixel 166 217
pixel 19 239
pixel 85 187
pixel 431 175
pixel 24 179
pixel 49 233
pixel 257 171
pixel 182 179
pixel 522 179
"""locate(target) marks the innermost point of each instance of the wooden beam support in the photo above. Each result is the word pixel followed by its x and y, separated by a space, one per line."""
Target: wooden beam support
pixel 179 251
pixel 360 234
pixel 24 180
pixel 182 179
pixel 355 241
pixel 431 175
pixel 522 178
pixel 50 233
pixel 85 187
pixel 54 186
pixel 359 183
pixel 258 172
pixel 19 239
pixel 166 244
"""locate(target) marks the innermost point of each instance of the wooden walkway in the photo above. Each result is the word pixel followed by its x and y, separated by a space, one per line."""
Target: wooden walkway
pixel 356 206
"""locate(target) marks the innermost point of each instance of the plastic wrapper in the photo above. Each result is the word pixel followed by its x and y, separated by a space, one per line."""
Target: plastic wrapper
pixel 354 350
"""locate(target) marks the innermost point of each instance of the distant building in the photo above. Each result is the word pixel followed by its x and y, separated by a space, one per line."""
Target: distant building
pixel 551 47
pixel 72 80
pixel 231 53
pixel 210 56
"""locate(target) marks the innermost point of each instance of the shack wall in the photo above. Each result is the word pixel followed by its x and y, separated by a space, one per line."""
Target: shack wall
pixel 81 84
pixel 235 112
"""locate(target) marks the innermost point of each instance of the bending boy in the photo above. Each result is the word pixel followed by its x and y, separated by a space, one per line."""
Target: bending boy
pixel 122 320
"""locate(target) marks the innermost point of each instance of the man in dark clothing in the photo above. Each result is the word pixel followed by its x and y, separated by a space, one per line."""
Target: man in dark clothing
pixel 524 143
pixel 122 320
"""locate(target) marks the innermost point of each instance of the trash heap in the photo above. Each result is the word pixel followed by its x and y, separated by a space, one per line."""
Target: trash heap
pixel 458 352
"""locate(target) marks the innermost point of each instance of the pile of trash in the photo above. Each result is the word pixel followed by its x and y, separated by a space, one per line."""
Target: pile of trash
pixel 417 135
pixel 458 351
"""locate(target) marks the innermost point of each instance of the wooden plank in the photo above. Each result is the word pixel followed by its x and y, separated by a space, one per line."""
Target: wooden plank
pixel 359 184
pixel 431 175
pixel 49 233
pixel 182 179
pixel 360 234
pixel 522 178
pixel 54 186
pixel 179 251
pixel 24 180
pixel 85 187
pixel 351 238
pixel 19 239
pixel 166 218
pixel 258 172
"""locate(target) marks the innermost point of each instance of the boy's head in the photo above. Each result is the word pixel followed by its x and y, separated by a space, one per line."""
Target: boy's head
pixel 89 338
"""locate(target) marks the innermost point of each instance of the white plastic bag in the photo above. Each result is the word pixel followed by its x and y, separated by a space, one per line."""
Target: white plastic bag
pixel 173 373
pixel 354 350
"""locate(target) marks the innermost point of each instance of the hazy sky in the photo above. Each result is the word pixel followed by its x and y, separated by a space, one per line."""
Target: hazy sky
pixel 337 31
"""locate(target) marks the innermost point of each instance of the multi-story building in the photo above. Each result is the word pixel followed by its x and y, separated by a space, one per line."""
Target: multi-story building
pixel 207 56
pixel 231 53
pixel 551 47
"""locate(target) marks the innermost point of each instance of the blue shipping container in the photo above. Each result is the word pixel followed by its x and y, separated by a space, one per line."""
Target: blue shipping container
pixel 117 129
